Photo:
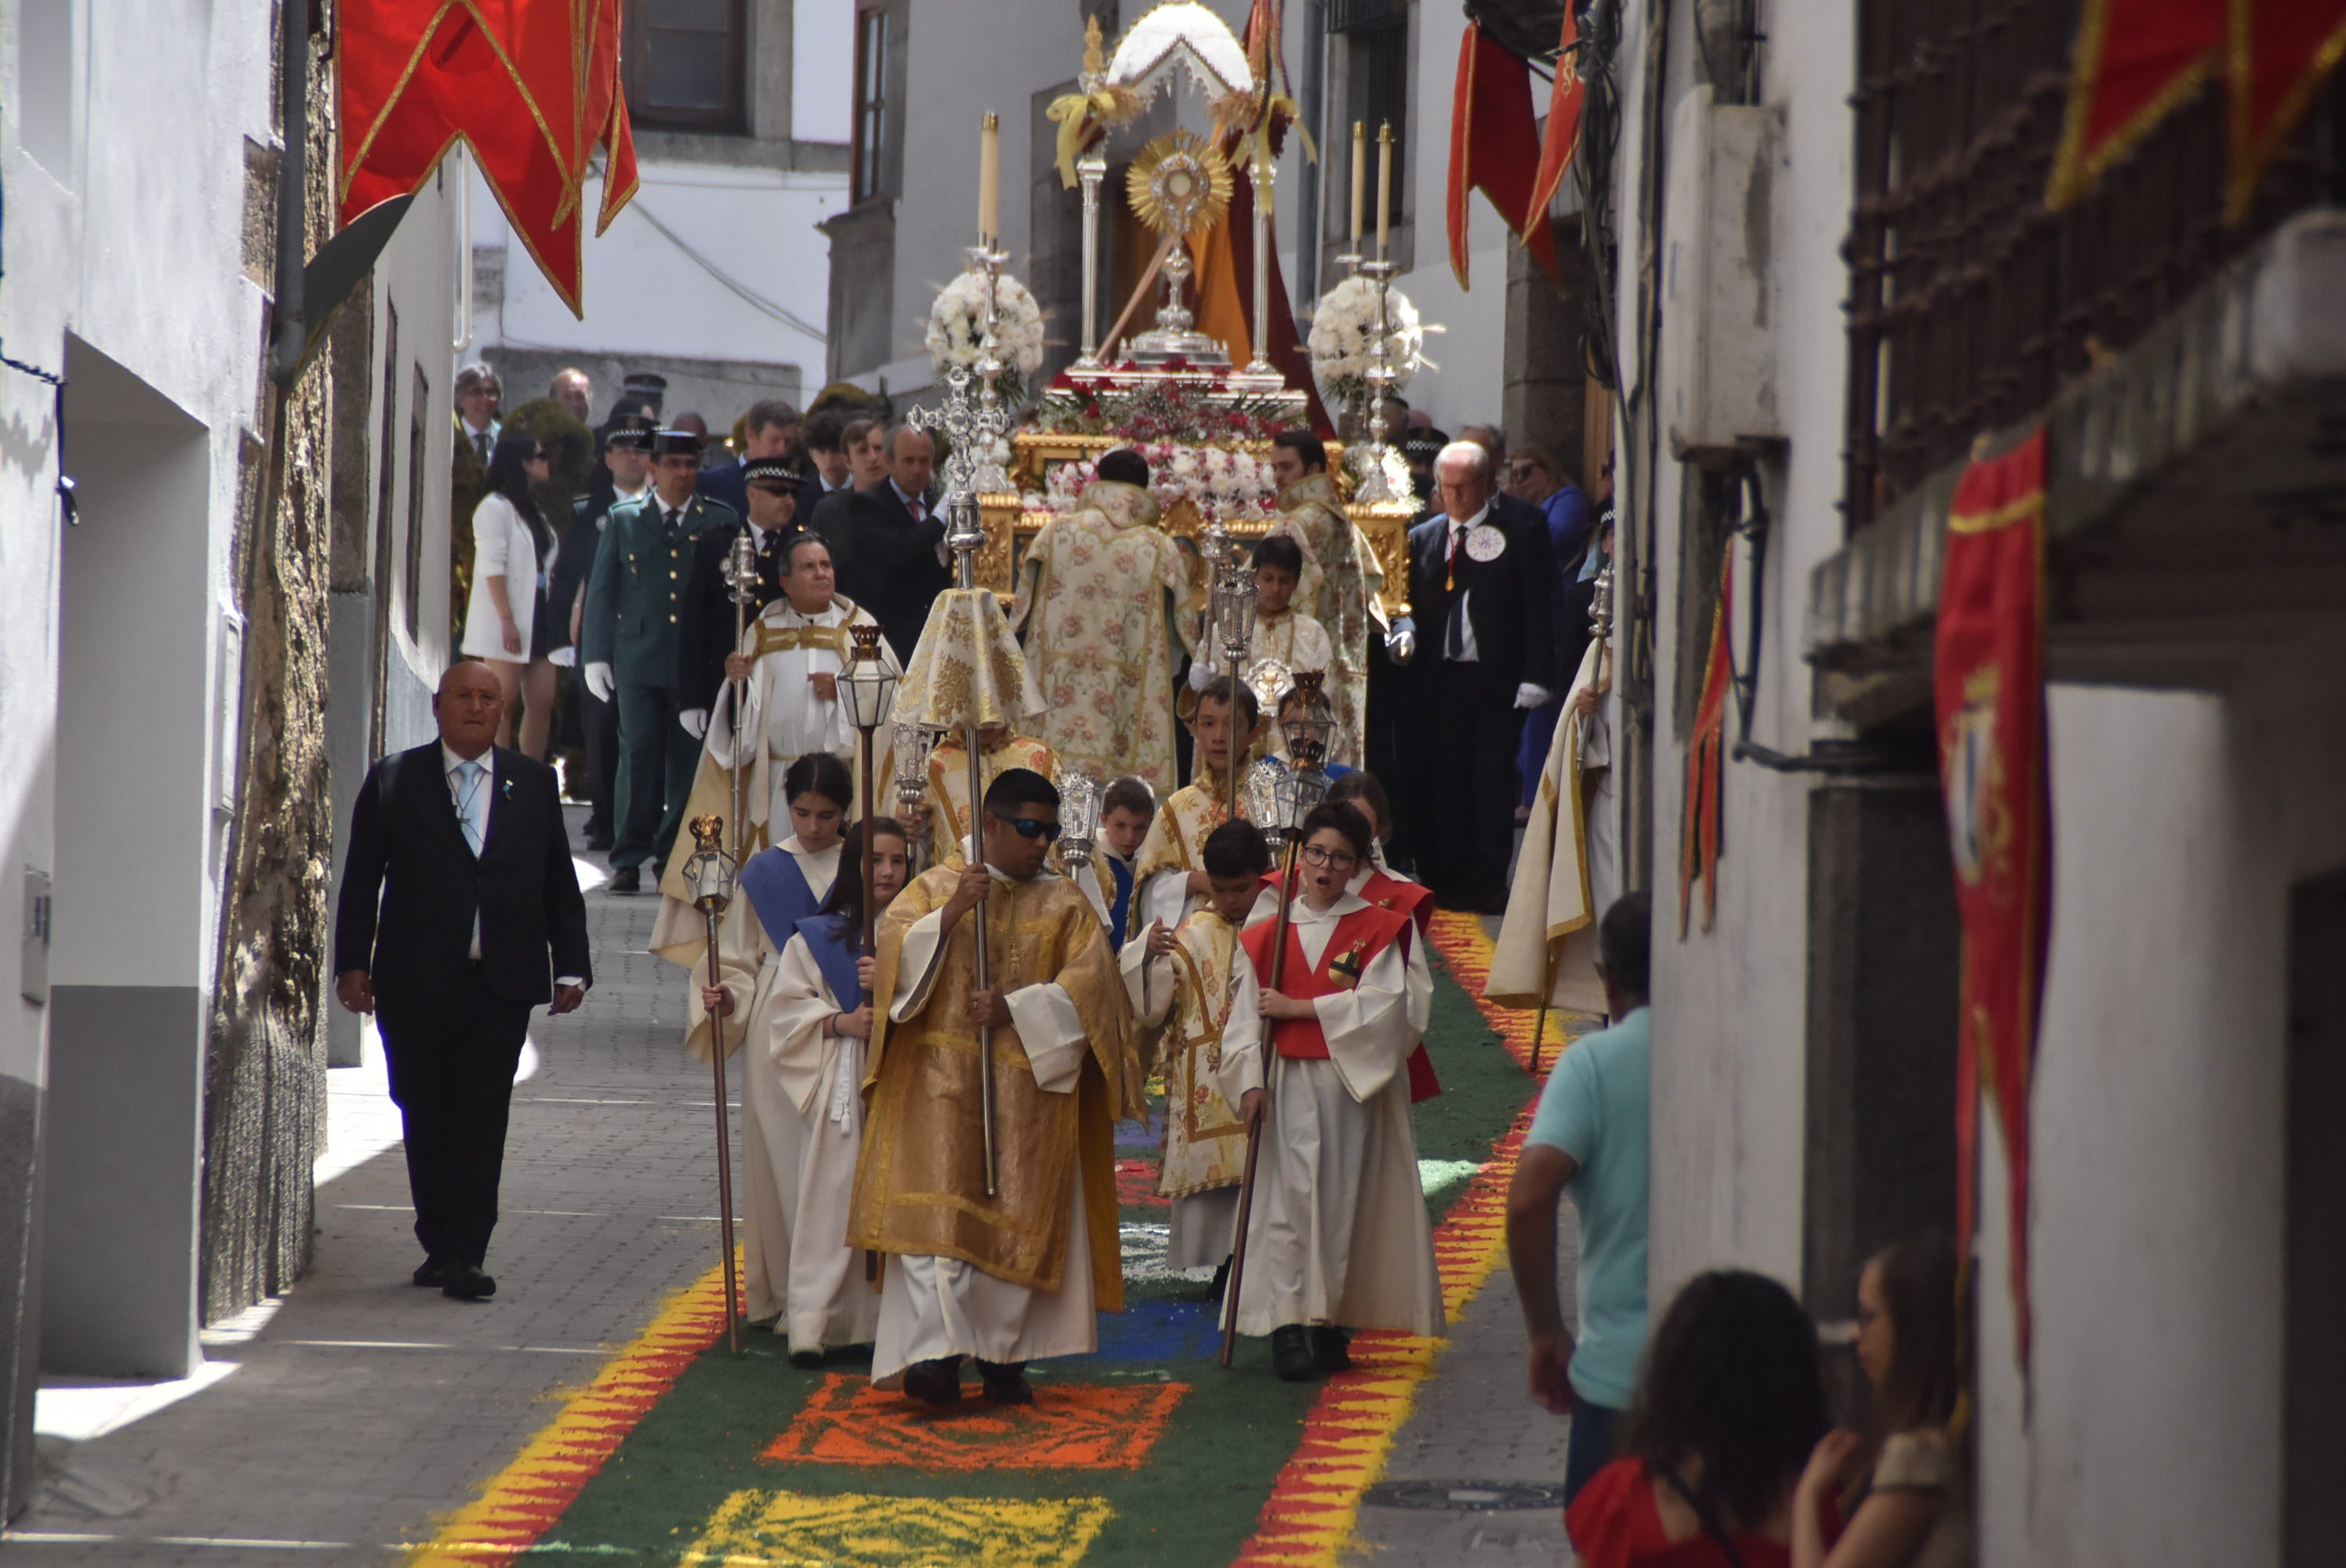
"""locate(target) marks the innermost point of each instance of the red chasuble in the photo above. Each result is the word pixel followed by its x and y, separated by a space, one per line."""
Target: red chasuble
pixel 1358 939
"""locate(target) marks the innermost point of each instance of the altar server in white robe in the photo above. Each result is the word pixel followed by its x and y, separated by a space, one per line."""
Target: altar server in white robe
pixel 777 889
pixel 1339 1238
pixel 809 1013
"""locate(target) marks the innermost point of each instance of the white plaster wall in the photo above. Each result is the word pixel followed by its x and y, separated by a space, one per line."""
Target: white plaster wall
pixel 134 243
pixel 2180 823
pixel 1730 1005
pixel 649 292
pixel 823 70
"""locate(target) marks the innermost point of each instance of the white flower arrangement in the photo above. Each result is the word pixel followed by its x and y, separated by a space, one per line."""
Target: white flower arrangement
pixel 1344 334
pixel 956 330
pixel 1226 486
pixel 1380 473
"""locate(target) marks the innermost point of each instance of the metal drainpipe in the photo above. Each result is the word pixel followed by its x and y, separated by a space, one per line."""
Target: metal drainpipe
pixel 289 326
pixel 1305 285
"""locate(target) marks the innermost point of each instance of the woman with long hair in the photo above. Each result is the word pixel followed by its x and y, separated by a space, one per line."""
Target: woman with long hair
pixel 1730 1404
pixel 778 887
pixel 1903 1486
pixel 506 623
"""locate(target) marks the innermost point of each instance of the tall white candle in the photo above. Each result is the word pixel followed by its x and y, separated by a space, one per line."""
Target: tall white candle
pixel 989 180
pixel 1384 186
pixel 1360 180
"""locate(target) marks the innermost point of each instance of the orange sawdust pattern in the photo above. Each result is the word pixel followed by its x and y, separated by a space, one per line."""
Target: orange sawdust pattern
pixel 1082 1427
pixel 522 1502
pixel 1316 1499
pixel 1460 940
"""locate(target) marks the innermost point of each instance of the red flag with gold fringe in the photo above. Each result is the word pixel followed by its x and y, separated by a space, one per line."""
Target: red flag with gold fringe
pixel 1989 682
pixel 1494 147
pixel 531 85
pixel 2282 52
pixel 2134 61
pixel 1561 136
pixel 1702 811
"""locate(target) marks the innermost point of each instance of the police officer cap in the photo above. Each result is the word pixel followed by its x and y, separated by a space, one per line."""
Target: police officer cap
pixel 644 383
pixel 633 430
pixel 676 443
pixel 772 471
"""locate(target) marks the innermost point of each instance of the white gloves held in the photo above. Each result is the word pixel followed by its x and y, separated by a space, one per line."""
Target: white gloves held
pixel 599 681
pixel 695 721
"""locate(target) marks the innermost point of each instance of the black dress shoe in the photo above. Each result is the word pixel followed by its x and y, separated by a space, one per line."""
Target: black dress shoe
pixel 1221 1281
pixel 465 1282
pixel 1291 1355
pixel 429 1273
pixel 626 879
pixel 934 1382
pixel 1005 1382
pixel 1328 1348
pixel 809 1360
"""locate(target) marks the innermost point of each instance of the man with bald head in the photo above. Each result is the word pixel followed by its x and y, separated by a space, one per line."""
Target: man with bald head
pixel 460 914
pixel 889 544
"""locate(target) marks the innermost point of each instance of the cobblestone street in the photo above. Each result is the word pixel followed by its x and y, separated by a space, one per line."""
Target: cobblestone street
pixel 342 1422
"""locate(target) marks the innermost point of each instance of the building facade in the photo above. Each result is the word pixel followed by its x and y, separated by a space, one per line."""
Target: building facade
pixel 1848 276
pixel 195 542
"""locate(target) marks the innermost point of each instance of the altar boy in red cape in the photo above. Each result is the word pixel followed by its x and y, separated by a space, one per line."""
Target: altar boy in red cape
pixel 1339 1238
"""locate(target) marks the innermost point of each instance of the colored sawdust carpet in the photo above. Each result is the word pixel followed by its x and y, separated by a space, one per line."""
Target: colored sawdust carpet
pixel 1146 1451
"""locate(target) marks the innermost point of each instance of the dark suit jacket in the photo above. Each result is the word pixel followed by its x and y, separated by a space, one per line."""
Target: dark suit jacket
pixel 1511 605
pixel 724 483
pixel 572 563
pixel 886 562
pixel 411 884
pixel 706 635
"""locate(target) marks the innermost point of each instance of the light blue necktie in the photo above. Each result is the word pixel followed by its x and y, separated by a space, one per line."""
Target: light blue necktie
pixel 468 804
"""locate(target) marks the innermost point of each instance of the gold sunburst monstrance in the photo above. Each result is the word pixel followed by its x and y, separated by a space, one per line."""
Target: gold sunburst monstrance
pixel 1179 184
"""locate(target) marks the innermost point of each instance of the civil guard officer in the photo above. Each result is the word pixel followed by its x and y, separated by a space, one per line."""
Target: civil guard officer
pixel 635 601
pixel 710 629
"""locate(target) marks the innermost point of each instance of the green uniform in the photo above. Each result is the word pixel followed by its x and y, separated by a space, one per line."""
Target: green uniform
pixel 633 604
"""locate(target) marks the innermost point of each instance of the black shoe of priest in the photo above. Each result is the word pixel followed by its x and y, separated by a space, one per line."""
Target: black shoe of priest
pixel 626 879
pixel 1291 1355
pixel 1221 1282
pixel 807 1359
pixel 934 1382
pixel 1005 1382
pixel 1328 1348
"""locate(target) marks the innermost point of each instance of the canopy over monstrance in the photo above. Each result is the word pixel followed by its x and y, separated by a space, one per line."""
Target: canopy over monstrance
pixel 1164 383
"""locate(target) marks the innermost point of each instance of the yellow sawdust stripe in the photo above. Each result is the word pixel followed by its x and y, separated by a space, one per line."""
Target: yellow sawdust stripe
pixel 1316 1499
pixel 522 1502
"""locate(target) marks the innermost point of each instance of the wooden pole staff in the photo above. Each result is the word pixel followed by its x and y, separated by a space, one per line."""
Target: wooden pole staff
pixel 712 911
pixel 1262 1117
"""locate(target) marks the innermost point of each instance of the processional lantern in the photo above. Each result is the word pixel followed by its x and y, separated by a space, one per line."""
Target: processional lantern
pixel 709 874
pixel 1079 814
pixel 868 684
pixel 1309 723
pixel 708 870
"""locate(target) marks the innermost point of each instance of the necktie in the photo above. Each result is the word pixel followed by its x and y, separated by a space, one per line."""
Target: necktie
pixel 481 442
pixel 1455 644
pixel 913 506
pixel 1450 562
pixel 469 777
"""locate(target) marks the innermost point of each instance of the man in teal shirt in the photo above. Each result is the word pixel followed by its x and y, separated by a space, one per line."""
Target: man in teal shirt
pixel 1589 1138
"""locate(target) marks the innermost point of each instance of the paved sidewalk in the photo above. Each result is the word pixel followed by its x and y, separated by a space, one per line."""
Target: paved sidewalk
pixel 336 1424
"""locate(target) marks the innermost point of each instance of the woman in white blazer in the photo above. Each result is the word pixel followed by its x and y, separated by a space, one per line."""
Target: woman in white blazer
pixel 506 621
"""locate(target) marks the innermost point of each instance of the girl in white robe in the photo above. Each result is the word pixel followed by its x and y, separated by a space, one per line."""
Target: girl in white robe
pixel 777 889
pixel 1337 1238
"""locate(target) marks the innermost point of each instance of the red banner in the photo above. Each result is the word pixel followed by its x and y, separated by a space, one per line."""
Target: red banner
pixel 1561 138
pixel 2135 61
pixel 1494 147
pixel 1989 680
pixel 2283 50
pixel 1701 814
pixel 531 85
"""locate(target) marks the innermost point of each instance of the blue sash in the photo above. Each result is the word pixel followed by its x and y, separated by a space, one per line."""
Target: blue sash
pixel 833 944
pixel 778 890
pixel 1119 909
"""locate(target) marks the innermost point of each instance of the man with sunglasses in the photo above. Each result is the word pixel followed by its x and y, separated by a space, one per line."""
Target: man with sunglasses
pixel 1004 1276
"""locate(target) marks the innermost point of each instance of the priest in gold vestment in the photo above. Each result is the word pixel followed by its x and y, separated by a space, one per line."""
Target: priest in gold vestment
pixel 1017 1275
pixel 1102 604
pixel 1341 581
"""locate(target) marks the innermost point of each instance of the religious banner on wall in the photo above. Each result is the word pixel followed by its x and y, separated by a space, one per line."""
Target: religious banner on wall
pixel 1494 147
pixel 531 85
pixel 1989 681
pixel 1702 808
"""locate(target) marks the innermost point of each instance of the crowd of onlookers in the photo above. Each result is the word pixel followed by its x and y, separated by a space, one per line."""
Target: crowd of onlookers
pixel 1706 1442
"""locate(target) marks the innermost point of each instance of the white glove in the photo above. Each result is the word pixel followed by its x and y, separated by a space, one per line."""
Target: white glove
pixel 1202 676
pixel 695 721
pixel 599 682
pixel 1402 641
pixel 562 659
pixel 1531 694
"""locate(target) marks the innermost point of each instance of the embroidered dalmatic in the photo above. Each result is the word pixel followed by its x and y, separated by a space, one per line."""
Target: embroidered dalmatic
pixel 1099 602
pixel 1341 581
pixel 1175 846
pixel 947 801
pixel 1188 1003
pixel 1016 1275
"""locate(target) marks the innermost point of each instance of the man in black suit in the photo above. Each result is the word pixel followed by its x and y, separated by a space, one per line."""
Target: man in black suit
pixel 456 887
pixel 1480 583
pixel 889 544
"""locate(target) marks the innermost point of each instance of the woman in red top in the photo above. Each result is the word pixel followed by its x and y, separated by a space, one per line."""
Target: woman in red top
pixel 1730 1406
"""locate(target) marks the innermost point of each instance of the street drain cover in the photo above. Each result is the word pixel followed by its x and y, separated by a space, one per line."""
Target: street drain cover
pixel 1463 1496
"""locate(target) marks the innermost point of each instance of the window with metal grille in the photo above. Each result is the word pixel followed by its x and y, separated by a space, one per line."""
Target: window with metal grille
pixel 684 63
pixel 871 102
pixel 1375 35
